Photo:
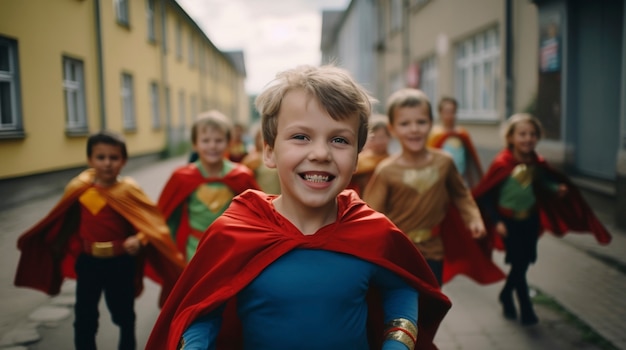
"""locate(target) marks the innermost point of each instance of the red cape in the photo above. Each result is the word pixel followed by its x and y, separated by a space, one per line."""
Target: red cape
pixel 250 235
pixel 50 248
pixel 474 170
pixel 558 215
pixel 187 179
pixel 464 254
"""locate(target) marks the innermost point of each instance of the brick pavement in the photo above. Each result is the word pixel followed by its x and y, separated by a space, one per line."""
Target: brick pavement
pixel 568 269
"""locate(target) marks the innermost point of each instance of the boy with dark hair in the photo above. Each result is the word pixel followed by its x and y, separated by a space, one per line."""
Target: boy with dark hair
pixel 102 232
pixel 313 267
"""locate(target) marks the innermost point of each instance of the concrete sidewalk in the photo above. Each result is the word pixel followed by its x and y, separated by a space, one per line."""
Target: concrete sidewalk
pixel 588 280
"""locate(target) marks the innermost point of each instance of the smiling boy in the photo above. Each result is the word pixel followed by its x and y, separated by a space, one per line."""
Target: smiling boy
pixel 313 267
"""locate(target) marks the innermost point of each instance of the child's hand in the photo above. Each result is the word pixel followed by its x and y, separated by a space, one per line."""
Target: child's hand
pixel 132 245
pixel 477 228
pixel 562 190
pixel 501 228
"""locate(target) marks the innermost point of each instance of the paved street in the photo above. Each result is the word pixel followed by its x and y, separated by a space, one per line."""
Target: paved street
pixel 587 280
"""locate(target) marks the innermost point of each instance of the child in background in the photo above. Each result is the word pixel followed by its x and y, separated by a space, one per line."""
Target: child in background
pixel 456 141
pixel 237 148
pixel 416 188
pixel 199 192
pixel 267 178
pixel 101 232
pixel 521 196
pixel 374 151
pixel 314 267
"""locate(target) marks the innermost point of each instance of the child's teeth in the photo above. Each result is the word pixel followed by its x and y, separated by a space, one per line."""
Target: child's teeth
pixel 316 178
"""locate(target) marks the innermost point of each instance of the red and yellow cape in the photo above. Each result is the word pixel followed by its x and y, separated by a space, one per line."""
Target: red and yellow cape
pixel 474 170
pixel 250 235
pixel 187 179
pixel 49 248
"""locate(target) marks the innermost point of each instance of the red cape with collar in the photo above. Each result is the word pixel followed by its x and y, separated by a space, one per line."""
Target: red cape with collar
pixel 558 215
pixel 187 179
pixel 438 137
pixel 49 248
pixel 250 235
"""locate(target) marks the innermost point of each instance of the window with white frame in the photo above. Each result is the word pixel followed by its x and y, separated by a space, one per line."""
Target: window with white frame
pixel 428 78
pixel 179 39
pixel 74 91
pixel 192 50
pixel 155 103
pixel 10 101
pixel 122 12
pixel 128 102
pixel 151 20
pixel 477 76
pixel 395 12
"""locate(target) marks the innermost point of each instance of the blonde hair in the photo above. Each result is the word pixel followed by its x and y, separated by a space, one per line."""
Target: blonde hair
pixel 334 88
pixel 509 126
pixel 213 119
pixel 407 97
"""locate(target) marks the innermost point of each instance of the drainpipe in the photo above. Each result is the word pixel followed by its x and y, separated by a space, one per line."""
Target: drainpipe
pixel 166 98
pixel 100 65
pixel 508 52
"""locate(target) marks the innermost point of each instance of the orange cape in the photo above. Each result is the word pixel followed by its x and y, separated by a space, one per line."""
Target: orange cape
pixel 50 248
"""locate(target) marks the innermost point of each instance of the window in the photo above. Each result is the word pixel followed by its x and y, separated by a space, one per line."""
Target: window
pixel 168 106
pixel 181 109
pixel 128 102
pixel 179 40
pixel 10 101
pixel 428 78
pixel 154 101
pixel 151 20
pixel 395 12
pixel 122 12
pixel 476 76
pixel 74 90
pixel 192 51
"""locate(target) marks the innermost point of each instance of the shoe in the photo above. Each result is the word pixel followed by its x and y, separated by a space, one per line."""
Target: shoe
pixel 529 317
pixel 508 306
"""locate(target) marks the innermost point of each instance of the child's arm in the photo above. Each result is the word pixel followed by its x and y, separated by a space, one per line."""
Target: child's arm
pixel 547 183
pixel 463 200
pixel 133 244
pixel 400 307
pixel 202 333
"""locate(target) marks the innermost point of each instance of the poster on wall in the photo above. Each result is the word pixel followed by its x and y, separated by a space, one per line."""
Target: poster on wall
pixel 548 104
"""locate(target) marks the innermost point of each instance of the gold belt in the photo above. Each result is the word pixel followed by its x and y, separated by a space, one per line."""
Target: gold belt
pixel 104 249
pixel 420 235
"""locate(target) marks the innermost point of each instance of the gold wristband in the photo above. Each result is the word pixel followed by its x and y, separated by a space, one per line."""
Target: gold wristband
pixel 403 323
pixel 402 330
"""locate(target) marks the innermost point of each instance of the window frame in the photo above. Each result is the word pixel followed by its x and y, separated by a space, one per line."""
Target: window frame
pixel 155 103
pixel 15 128
pixel 74 96
pixel 151 20
pixel 122 12
pixel 476 74
pixel 127 93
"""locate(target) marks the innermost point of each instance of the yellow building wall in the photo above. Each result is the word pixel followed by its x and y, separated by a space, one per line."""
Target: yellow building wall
pixel 46 31
pixel 128 50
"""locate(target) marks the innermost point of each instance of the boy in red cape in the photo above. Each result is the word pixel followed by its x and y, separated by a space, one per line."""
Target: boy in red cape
pixel 456 141
pixel 521 196
pixel 104 232
pixel 422 192
pixel 313 267
pixel 199 192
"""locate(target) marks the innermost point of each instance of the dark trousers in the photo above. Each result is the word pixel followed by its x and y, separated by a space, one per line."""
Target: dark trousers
pixel 115 278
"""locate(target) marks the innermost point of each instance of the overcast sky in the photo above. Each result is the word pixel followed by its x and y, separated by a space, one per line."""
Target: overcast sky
pixel 274 34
